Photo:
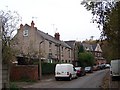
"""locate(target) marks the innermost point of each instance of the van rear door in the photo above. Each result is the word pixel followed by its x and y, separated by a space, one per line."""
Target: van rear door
pixel 115 67
pixel 62 71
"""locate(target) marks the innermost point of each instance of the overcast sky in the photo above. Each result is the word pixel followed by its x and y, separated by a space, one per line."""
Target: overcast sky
pixel 70 18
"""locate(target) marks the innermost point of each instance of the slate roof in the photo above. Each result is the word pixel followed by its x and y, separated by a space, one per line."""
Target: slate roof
pixel 91 47
pixel 48 37
pixel 94 46
pixel 70 43
pixel 87 47
pixel 52 39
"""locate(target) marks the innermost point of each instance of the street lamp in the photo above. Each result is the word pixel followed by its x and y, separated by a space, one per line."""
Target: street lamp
pixel 39 65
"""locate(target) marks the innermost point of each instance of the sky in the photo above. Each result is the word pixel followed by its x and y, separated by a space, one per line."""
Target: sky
pixel 68 17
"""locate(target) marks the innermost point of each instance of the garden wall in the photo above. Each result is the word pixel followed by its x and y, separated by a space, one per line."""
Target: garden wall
pixel 24 72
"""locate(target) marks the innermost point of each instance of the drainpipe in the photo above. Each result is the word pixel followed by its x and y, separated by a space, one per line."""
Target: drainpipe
pixel 60 53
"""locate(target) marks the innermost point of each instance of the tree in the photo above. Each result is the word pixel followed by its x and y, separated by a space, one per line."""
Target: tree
pixel 80 49
pixel 107 15
pixel 86 59
pixel 9 21
pixel 107 51
pixel 112 30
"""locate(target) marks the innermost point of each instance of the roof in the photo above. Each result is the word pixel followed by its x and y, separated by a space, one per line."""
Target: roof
pixel 48 37
pixel 71 43
pixel 94 46
pixel 87 47
pixel 98 48
pixel 52 39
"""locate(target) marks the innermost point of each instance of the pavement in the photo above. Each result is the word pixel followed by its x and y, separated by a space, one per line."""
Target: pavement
pixel 43 78
pixel 47 77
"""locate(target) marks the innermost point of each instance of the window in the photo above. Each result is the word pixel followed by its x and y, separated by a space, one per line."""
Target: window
pixel 50 44
pixel 69 61
pixel 66 61
pixel 50 47
pixel 25 33
pixel 56 50
pixel 69 53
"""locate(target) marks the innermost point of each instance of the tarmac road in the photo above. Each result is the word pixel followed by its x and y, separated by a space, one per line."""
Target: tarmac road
pixel 91 80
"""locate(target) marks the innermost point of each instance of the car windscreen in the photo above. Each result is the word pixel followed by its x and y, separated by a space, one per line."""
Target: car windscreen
pixel 77 68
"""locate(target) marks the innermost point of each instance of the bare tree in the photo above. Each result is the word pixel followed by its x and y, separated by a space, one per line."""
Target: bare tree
pixel 9 20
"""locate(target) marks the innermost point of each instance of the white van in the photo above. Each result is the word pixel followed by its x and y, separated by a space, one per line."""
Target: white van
pixel 115 68
pixel 65 71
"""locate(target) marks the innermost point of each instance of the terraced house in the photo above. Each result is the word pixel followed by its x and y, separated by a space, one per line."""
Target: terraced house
pixel 32 42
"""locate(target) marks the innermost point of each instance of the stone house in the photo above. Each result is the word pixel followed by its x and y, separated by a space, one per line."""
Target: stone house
pixel 32 42
pixel 74 46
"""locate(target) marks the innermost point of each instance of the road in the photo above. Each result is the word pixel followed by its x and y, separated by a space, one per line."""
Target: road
pixel 91 80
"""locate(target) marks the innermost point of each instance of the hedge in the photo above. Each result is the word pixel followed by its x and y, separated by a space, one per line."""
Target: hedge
pixel 48 68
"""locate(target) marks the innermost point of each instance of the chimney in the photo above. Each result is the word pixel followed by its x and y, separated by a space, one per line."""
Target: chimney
pixel 21 26
pixel 32 24
pixel 57 36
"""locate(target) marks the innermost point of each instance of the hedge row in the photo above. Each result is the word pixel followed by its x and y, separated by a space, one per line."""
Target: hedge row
pixel 48 68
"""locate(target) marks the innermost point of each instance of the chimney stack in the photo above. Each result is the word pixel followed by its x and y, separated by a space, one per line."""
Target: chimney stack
pixel 57 36
pixel 32 24
pixel 21 26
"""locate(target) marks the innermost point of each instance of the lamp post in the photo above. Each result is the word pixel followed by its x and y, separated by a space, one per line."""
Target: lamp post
pixel 39 65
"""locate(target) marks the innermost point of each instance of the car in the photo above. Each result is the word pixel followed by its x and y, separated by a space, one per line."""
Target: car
pixel 95 68
pixel 65 71
pixel 80 71
pixel 88 69
pixel 107 65
pixel 102 66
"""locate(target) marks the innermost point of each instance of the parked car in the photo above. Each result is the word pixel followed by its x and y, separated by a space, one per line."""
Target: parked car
pixel 107 65
pixel 102 66
pixel 65 71
pixel 88 69
pixel 95 68
pixel 80 71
